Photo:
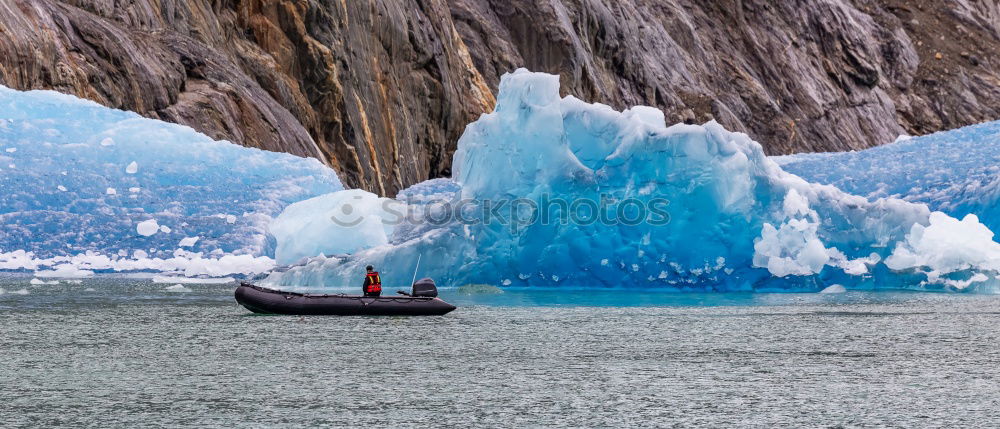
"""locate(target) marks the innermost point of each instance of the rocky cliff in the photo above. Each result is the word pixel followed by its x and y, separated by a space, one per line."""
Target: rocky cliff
pixel 381 89
pixel 804 75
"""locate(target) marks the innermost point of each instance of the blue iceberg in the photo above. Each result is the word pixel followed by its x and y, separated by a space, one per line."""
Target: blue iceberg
pixel 956 172
pixel 548 191
pixel 556 192
pixel 84 188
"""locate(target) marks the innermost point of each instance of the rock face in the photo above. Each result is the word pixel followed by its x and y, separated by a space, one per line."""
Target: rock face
pixel 808 75
pixel 381 89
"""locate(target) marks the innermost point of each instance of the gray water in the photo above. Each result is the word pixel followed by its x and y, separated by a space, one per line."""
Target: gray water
pixel 130 354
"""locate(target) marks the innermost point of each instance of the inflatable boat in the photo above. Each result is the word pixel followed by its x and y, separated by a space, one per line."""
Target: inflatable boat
pixel 423 301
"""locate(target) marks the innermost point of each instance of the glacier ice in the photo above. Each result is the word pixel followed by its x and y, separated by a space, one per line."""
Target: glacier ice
pixel 353 221
pixel 956 171
pixel 716 213
pixel 947 245
pixel 64 213
pixel 737 221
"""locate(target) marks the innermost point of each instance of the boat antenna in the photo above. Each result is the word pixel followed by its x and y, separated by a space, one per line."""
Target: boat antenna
pixel 415 270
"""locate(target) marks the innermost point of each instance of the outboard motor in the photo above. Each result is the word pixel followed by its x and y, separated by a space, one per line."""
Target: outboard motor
pixel 425 287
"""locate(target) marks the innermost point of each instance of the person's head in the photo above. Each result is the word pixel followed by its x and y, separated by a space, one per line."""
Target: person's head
pixel 370 268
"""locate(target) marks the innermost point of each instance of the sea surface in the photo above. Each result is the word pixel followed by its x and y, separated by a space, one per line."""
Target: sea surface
pixel 121 352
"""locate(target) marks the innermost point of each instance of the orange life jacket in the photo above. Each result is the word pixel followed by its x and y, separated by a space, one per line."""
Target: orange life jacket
pixel 373 283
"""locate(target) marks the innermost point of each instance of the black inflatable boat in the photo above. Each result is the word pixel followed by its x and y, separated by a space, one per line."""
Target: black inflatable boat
pixel 422 302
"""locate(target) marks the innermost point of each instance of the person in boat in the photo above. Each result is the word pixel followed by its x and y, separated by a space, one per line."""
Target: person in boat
pixel 373 283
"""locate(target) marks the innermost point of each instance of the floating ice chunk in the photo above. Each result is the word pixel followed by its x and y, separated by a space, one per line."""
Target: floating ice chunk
pixel 177 288
pixel 946 246
pixel 11 149
pixel 189 264
pixel 230 219
pixel 111 191
pixel 140 254
pixel 147 228
pixel 132 168
pixel 134 189
pixel 108 141
pixel 16 292
pixel 165 229
pixel 39 282
pixel 66 271
pixel 833 289
pixel 192 280
pixel 61 188
pixel 18 260
pixel 188 241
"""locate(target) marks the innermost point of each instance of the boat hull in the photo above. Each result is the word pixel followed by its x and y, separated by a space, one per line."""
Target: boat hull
pixel 268 301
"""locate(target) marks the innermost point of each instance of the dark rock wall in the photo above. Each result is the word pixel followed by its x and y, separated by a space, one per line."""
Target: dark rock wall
pixel 806 75
pixel 382 89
